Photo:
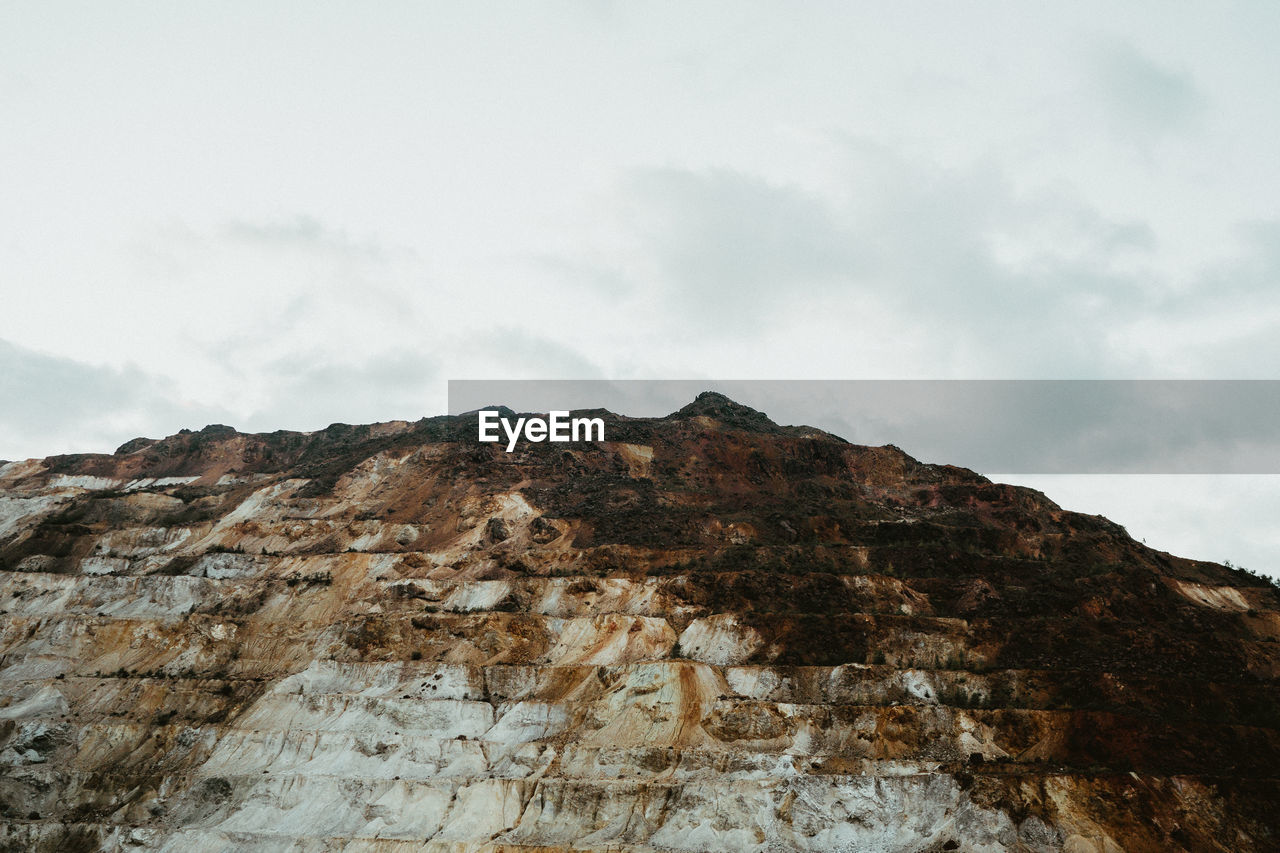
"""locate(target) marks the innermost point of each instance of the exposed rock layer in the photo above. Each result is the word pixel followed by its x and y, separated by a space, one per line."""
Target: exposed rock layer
pixel 709 633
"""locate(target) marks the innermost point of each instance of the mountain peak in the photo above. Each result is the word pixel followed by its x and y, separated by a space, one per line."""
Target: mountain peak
pixel 713 404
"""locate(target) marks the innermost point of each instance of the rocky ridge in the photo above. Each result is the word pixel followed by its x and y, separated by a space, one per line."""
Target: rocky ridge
pixel 707 633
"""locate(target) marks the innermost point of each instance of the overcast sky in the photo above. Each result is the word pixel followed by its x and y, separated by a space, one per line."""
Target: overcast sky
pixel 285 215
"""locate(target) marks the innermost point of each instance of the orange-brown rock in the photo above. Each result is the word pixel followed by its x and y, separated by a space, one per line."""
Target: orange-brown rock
pixel 707 633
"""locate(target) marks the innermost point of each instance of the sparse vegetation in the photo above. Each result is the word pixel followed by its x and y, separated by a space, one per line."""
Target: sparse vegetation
pixel 224 549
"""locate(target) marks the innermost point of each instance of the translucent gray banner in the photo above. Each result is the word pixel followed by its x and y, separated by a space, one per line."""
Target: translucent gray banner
pixel 991 426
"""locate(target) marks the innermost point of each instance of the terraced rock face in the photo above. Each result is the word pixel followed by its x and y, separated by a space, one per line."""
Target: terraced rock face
pixel 709 633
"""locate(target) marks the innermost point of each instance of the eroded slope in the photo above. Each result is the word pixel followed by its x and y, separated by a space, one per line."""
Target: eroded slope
pixel 709 633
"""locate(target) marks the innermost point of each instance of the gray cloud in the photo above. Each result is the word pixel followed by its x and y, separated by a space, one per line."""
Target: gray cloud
pixel 1027 282
pixel 1143 99
pixel 311 392
pixel 587 276
pixel 729 242
pixel 509 350
pixel 50 404
pixel 1024 283
pixel 303 232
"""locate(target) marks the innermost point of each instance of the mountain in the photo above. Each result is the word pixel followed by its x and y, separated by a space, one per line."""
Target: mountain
pixel 708 632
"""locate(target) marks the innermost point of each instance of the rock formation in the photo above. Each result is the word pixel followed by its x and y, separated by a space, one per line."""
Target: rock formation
pixel 707 633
